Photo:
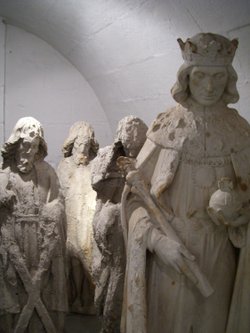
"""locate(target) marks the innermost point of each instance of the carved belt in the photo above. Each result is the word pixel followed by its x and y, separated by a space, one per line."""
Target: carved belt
pixel 26 218
pixel 208 161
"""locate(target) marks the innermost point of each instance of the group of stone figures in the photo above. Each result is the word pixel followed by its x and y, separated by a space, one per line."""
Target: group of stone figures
pixel 151 233
pixel 61 237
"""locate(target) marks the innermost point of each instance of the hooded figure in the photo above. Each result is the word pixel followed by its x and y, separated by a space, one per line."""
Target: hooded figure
pixel 185 271
pixel 32 273
pixel 109 253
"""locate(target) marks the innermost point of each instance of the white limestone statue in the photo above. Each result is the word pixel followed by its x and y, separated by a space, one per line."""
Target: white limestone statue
pixel 32 238
pixel 80 199
pixel 185 271
pixel 109 259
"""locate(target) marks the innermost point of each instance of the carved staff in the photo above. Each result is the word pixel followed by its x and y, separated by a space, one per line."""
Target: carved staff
pixel 139 187
pixel 34 299
pixel 31 285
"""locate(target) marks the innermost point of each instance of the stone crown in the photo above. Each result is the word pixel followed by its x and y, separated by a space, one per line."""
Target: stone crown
pixel 207 49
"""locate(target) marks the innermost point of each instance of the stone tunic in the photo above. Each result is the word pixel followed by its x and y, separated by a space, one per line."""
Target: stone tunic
pixel 80 201
pixel 35 225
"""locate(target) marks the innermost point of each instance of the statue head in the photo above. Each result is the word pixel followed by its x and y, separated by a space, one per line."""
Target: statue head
pixel 131 134
pixel 81 143
pixel 207 75
pixel 25 146
pixel 107 179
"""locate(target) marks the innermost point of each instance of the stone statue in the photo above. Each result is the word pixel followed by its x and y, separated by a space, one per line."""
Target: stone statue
pixel 109 259
pixel 80 199
pixel 188 272
pixel 32 237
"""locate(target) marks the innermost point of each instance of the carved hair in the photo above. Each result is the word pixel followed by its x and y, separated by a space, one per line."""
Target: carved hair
pixel 131 123
pixel 180 90
pixel 26 127
pixel 83 130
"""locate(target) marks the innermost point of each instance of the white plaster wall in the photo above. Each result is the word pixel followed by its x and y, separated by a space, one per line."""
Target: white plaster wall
pixel 242 66
pixel 2 79
pixel 127 49
pixel 41 83
pixel 135 56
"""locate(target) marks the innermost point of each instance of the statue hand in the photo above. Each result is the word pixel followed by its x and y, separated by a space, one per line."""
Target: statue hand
pixel 216 216
pixel 219 219
pixel 240 220
pixel 174 255
pixel 46 213
pixel 7 198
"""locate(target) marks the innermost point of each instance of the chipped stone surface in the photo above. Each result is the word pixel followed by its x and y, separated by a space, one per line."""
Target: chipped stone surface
pixel 32 236
pixel 187 210
pixel 109 253
pixel 80 199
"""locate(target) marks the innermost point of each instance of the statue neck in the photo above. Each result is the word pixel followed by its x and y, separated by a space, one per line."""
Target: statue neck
pixel 215 108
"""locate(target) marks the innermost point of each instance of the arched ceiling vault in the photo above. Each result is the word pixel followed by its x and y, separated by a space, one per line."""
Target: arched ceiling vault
pixel 126 49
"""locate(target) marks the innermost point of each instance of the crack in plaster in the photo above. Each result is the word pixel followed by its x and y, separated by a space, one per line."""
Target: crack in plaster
pixel 119 18
pixel 132 63
pixel 141 99
pixel 92 34
pixel 240 27
pixel 193 18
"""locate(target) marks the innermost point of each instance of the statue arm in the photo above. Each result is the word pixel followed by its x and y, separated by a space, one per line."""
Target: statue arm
pixel 160 165
pixel 156 167
pixel 54 209
pixel 55 189
pixel 163 176
pixel 51 218
pixel 7 197
pixel 162 238
pixel 237 229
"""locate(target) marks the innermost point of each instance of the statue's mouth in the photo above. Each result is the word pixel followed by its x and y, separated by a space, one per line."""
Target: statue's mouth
pixel 24 166
pixel 206 96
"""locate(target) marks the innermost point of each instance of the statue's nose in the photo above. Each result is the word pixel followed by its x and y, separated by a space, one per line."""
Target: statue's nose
pixel 209 85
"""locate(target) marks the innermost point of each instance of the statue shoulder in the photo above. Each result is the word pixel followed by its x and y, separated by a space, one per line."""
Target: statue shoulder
pixel 100 165
pixel 45 169
pixel 240 129
pixel 235 116
pixel 66 168
pixel 4 176
pixel 171 128
pixel 65 162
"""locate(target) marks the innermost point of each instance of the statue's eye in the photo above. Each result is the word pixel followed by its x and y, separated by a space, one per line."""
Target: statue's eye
pixel 199 75
pixel 26 145
pixel 219 76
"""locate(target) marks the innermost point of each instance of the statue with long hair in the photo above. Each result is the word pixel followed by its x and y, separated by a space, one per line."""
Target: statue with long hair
pixel 187 267
pixel 74 172
pixel 32 236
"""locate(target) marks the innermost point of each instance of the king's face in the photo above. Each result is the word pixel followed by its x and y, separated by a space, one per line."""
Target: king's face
pixel 207 84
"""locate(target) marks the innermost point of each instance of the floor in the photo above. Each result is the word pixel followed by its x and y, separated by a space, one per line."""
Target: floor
pixel 82 324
